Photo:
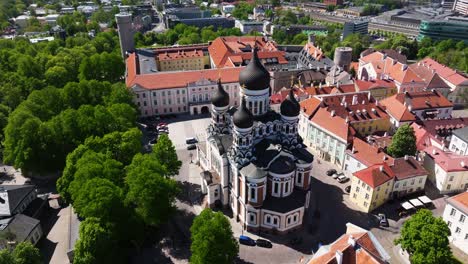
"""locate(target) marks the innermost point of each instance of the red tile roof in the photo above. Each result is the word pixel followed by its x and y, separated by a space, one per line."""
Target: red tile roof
pixel 437 129
pixel 396 109
pixel 448 161
pixel 424 100
pixel 367 154
pixel 374 84
pixel 164 80
pixel 452 76
pixel 309 106
pixel 131 68
pixel 178 55
pixel 375 175
pixel 333 124
pixel 365 251
pixel 460 201
pixel 315 52
pixel 226 50
pixel 407 168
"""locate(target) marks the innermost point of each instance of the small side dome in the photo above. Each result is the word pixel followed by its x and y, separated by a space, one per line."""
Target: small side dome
pixel 243 118
pixel 290 106
pixel 220 98
pixel 254 76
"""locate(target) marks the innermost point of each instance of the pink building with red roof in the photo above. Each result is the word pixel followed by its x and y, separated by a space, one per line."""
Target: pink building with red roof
pixel 447 170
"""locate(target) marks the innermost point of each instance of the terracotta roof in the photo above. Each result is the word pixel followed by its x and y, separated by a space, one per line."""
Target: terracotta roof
pixel 374 84
pixel 407 168
pixel 423 100
pixel 309 106
pixel 359 112
pixel 448 161
pixel 437 129
pixel 164 80
pixel 178 55
pixel 131 68
pixel 388 52
pixel 315 52
pixel 367 154
pixel 396 109
pixel 445 72
pixel 364 252
pixel 460 201
pixel 354 65
pixel 374 176
pixel 318 90
pixel 348 98
pixel 334 124
pixel 226 50
pixel 279 97
pixel 437 82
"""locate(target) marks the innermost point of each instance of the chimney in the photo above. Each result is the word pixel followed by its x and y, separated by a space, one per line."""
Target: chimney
pixel 339 257
pixel 363 101
pixel 381 168
pixel 369 96
pixel 385 134
pixel 351 241
pixel 462 164
pixel 384 157
pixel 406 157
pixel 434 152
pixel 332 113
pixel 354 100
pixel 345 104
pixel 374 111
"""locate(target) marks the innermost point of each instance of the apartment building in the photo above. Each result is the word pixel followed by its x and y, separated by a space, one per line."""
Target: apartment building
pixel 362 155
pixel 455 215
pixel 447 170
pixel 459 141
pixel 182 58
pixel 379 89
pixel 438 133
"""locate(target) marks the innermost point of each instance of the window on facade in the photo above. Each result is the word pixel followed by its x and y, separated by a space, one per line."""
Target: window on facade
pixel 154 93
pixel 275 187
pixel 368 188
pixel 252 218
pixel 168 92
pixel 137 95
pixel 268 219
pixel 451 178
pixel 449 224
pixel 299 177
pixel 144 95
pixel 177 92
pixel 420 180
pixel 163 93
pixel 396 185
pixel 462 218
pixel 289 220
pixel 357 189
pixel 367 196
pixel 183 91
pixel 412 182
pixel 144 103
pixel 354 196
pixel 457 230
pixel 286 187
pixel 404 183
pixel 275 221
pixel 453 212
pixel 449 186
pixel 365 204
pixel 253 193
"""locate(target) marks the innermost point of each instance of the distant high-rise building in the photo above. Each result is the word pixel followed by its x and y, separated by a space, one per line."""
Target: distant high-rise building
pixel 461 6
pixel 357 26
pixel 443 29
pixel 124 26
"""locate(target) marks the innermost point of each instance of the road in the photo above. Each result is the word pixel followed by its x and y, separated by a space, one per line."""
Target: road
pixel 372 25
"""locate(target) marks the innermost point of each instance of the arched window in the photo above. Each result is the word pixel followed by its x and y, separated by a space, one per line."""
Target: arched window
pixel 200 97
pixel 206 97
pixel 268 129
pixel 287 129
pixel 261 106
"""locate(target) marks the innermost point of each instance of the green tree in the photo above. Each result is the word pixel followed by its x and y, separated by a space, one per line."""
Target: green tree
pixel 149 191
pixel 164 151
pixel 97 244
pixel 212 239
pixel 6 257
pixel 403 142
pixel 57 76
pixel 26 253
pixel 425 238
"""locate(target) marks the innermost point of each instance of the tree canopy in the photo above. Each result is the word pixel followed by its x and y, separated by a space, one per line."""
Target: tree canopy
pixel 23 253
pixel 425 238
pixel 403 142
pixel 164 152
pixel 212 239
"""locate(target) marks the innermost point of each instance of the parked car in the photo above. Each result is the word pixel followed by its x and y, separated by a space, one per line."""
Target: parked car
pixel 383 220
pixel 264 243
pixel 348 189
pixel 342 179
pixel 191 140
pixel 330 172
pixel 336 175
pixel 245 240
pixel 191 147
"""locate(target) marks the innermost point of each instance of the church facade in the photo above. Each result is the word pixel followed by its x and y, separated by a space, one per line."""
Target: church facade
pixel 253 159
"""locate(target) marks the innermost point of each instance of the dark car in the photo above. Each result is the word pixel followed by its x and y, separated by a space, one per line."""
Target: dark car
pixel 191 147
pixel 383 220
pixel 348 189
pixel 330 172
pixel 245 240
pixel 264 243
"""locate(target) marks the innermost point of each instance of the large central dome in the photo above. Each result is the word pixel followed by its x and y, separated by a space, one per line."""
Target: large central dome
pixel 255 76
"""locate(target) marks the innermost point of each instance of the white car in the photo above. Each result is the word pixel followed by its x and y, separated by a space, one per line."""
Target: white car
pixel 342 179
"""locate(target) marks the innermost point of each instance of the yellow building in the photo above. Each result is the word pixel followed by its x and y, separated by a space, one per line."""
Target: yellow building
pixel 379 89
pixel 191 57
pixel 372 187
pixel 368 118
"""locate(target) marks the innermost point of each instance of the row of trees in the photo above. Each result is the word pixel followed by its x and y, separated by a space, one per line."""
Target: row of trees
pixel 113 186
pixel 183 34
pixel 27 67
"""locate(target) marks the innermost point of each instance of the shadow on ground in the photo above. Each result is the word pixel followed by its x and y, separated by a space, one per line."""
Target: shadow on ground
pixel 190 193
pixel 48 220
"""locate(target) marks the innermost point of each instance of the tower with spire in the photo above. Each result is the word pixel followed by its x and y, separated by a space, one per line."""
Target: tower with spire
pixel 253 156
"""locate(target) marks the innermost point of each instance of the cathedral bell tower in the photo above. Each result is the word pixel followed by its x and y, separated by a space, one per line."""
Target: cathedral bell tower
pixel 219 110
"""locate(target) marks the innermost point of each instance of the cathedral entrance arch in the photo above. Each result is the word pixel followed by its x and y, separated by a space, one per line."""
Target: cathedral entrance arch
pixel 205 110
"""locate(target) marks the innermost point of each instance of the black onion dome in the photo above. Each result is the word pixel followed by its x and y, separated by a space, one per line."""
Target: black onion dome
pixel 290 106
pixel 243 118
pixel 254 76
pixel 220 98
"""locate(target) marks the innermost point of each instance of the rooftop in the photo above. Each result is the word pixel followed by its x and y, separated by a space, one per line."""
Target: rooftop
pixel 452 76
pixel 407 167
pixel 436 129
pixel 375 175
pixel 460 201
pixel 448 161
pixel 283 205
pixel 20 224
pixel 461 133
pixel 333 124
pixel 367 154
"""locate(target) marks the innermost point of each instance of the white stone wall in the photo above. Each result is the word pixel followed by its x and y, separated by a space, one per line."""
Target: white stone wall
pixel 457 222
pixel 458 146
